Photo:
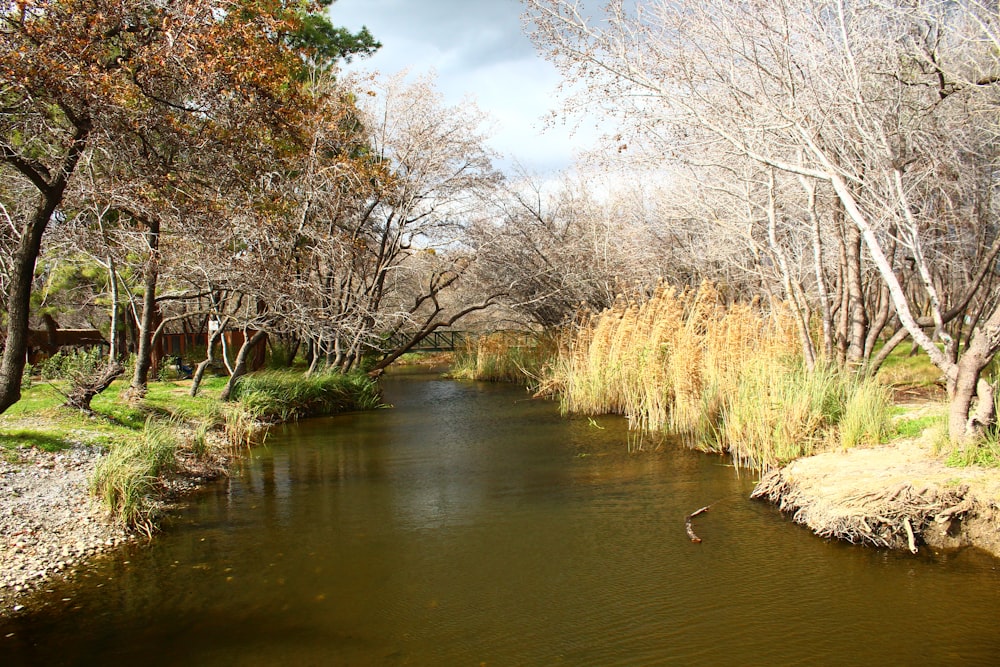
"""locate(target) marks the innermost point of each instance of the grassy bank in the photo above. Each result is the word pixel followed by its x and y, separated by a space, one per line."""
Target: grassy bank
pixel 726 377
pixel 505 357
pixel 169 433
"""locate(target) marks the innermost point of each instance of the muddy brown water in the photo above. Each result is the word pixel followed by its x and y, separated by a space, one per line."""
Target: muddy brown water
pixel 469 525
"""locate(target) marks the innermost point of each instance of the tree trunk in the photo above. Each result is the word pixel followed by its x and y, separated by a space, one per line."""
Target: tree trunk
pixel 858 313
pixel 144 355
pixel 292 351
pixel 843 294
pixel 23 265
pixel 113 338
pixel 19 301
pixel 199 372
pixel 968 386
pixel 240 368
pixel 816 238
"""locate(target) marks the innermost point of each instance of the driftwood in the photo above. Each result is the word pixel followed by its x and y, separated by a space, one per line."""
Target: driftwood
pixel 687 523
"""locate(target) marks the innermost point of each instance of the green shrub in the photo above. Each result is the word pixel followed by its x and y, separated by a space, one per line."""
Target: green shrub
pixel 71 365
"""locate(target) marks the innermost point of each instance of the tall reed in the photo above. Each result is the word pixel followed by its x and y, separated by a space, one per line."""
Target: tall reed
pixel 725 377
pixel 504 356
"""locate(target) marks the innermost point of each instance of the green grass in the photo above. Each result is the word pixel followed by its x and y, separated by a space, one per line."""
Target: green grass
pixel 865 419
pixel 279 396
pixel 172 398
pixel 126 481
pixel 39 396
pixel 985 453
pixel 903 369
pixel 913 427
pixel 31 438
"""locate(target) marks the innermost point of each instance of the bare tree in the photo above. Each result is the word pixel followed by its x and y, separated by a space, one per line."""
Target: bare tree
pixel 852 96
pixel 553 246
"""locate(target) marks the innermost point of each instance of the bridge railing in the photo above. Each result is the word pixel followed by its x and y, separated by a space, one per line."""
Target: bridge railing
pixel 435 341
pixel 447 340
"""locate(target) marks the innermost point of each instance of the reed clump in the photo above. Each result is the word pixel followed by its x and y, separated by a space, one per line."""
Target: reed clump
pixel 504 356
pixel 127 480
pixel 726 377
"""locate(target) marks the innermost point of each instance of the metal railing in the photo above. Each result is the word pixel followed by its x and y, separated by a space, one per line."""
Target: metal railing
pixel 436 341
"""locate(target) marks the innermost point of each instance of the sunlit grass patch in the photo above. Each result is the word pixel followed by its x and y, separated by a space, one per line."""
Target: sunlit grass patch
pixel 40 396
pixel 902 368
pixel 913 427
pixel 173 398
pixel 126 479
pixel 984 453
pixel 278 396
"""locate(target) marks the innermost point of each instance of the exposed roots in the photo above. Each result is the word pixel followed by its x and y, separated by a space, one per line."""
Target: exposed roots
pixel 893 516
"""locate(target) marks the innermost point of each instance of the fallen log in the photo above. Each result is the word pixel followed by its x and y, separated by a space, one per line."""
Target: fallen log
pixel 687 523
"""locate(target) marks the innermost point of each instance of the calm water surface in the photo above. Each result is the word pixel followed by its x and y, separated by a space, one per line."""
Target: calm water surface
pixel 468 526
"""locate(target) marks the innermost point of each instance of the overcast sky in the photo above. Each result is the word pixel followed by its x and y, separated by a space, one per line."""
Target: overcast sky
pixel 477 48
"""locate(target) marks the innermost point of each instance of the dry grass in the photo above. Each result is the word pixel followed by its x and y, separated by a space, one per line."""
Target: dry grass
pixel 725 377
pixel 504 357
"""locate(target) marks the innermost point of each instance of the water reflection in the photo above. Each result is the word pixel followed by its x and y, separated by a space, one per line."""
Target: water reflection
pixel 470 525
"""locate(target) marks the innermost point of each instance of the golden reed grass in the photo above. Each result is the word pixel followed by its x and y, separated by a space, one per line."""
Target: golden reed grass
pixel 504 356
pixel 725 377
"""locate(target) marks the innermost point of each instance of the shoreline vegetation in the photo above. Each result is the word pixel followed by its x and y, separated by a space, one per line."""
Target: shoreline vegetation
pixel 76 484
pixel 853 457
pixel 850 456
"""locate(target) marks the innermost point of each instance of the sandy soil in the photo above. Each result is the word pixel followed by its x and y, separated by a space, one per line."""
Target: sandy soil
pixel 867 494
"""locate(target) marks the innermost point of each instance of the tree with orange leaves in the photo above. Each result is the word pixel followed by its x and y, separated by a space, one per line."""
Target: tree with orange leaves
pixel 162 81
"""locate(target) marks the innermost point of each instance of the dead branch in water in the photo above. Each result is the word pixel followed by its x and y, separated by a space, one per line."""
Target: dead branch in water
pixel 687 523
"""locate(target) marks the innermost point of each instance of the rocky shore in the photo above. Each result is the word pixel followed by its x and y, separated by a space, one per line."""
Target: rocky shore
pixel 48 521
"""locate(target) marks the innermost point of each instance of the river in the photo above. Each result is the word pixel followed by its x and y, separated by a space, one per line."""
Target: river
pixel 470 525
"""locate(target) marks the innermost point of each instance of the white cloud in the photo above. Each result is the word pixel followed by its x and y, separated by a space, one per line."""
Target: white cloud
pixel 477 49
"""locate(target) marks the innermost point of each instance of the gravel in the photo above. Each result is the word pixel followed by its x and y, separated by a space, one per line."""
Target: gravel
pixel 49 523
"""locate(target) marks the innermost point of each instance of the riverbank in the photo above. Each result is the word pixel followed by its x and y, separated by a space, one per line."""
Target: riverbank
pixel 899 495
pixel 52 523
pixel 48 520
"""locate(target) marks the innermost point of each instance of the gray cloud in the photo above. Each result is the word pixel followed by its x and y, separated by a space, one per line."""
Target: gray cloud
pixel 477 47
pixel 473 34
